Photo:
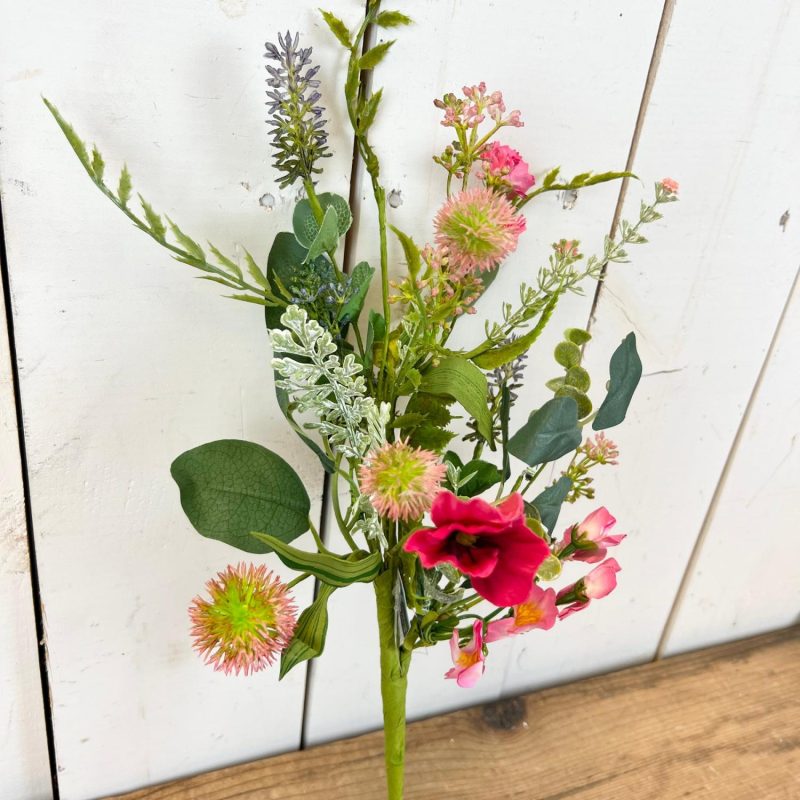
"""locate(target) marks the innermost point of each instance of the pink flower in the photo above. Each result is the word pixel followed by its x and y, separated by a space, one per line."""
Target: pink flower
pixel 479 228
pixel 538 610
pixel 401 481
pixel 601 581
pixel 492 544
pixel 589 540
pixel 601 449
pixel 566 248
pixel 469 661
pixel 669 185
pixel 505 168
pixel 248 621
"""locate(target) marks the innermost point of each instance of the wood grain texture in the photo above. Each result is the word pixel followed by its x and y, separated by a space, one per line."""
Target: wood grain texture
pixel 705 300
pixel 580 107
pixel 126 361
pixel 24 765
pixel 720 723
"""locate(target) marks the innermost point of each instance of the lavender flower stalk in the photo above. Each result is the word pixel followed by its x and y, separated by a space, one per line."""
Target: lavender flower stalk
pixel 298 129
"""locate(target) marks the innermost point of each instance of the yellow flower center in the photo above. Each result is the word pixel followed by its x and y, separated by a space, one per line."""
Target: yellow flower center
pixel 468 659
pixel 466 539
pixel 527 614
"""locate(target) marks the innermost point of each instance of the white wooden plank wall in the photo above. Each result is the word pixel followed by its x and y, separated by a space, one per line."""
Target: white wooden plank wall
pixel 124 362
pixel 24 765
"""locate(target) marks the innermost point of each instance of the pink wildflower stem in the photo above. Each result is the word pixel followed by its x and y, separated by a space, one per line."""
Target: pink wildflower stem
pixel 394 684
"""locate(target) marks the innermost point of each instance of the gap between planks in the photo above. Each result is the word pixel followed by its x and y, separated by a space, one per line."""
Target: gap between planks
pixel 716 723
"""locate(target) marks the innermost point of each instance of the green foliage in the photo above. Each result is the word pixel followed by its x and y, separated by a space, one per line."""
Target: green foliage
pixel 328 567
pixel 425 422
pixel 187 251
pixel 548 503
pixel 475 477
pixel 576 382
pixel 550 433
pixel 368 110
pixel 327 236
pixel 310 632
pixel 360 278
pixel 338 29
pixel 373 57
pixel 376 331
pixel 305 225
pixel 410 250
pixel 392 19
pixel 549 183
pixel 460 379
pixel 567 354
pixel 231 487
pixel 287 409
pixel 626 370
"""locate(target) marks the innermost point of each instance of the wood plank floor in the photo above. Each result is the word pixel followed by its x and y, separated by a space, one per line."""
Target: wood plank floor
pixel 722 723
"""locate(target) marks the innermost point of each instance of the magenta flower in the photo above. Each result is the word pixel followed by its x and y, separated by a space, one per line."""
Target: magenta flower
pixel 504 168
pixel 490 543
pixel 538 610
pixel 601 581
pixel 479 228
pixel 469 660
pixel 248 621
pixel 400 480
pixel 589 541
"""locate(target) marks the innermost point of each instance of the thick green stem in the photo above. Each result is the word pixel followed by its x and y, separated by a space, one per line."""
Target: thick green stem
pixel 394 682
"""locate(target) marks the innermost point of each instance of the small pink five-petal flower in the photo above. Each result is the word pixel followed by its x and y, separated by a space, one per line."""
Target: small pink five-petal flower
pixel 601 581
pixel 538 610
pixel 589 541
pixel 469 660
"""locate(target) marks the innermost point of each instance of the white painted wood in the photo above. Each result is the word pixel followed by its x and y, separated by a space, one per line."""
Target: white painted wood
pixel 580 104
pixel 24 766
pixel 705 300
pixel 746 579
pixel 126 361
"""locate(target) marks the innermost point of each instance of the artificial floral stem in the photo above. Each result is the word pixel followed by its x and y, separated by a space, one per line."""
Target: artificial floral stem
pixel 394 662
pixel 299 579
pixel 317 538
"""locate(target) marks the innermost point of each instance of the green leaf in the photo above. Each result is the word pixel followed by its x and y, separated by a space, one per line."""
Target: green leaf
pixel 231 266
pixel 373 57
pixel 484 476
pixel 568 354
pixel 550 178
pixel 284 403
pixel 72 137
pixel 330 568
pixel 581 398
pixel 338 29
pixel 124 187
pixel 578 378
pixel 577 336
pixel 98 165
pixel 392 19
pixel 360 279
pixel 284 264
pixel 496 357
pixel 464 382
pixel 626 370
pixel 368 110
pixel 305 224
pixel 231 487
pixel 308 640
pixel 376 330
pixel 186 242
pixel 550 433
pixel 549 502
pixel 255 271
pixel 410 250
pixel 153 220
pixel 549 569
pixel 327 236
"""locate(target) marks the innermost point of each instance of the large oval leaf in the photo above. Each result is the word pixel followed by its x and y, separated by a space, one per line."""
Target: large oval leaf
pixel 464 382
pixel 626 370
pixel 230 488
pixel 550 433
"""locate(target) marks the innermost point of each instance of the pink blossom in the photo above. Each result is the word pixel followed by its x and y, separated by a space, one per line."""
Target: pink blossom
pixel 601 581
pixel 669 185
pixel 589 541
pixel 567 248
pixel 469 660
pixel 538 610
pixel 479 228
pixel 505 167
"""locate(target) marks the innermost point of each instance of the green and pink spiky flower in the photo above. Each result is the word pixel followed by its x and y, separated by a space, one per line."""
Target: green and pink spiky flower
pixel 248 621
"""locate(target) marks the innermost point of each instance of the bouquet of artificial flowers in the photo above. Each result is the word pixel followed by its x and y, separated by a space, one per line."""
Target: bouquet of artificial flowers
pixel 460 546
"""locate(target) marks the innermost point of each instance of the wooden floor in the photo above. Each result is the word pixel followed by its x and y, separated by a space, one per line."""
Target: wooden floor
pixel 722 723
